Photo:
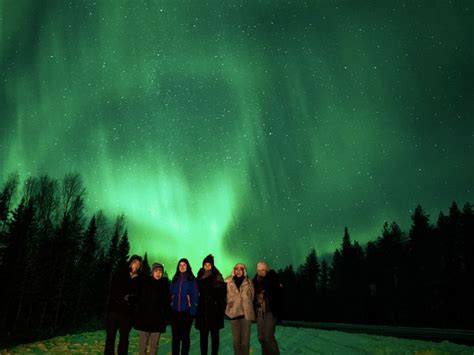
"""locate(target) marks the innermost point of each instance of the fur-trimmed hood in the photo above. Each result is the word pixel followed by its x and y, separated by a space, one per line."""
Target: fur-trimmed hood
pixel 238 265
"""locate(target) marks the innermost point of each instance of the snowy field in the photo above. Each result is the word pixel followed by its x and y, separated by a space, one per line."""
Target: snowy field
pixel 291 340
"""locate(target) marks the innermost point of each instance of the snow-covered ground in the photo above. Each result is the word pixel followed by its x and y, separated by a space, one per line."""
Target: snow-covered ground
pixel 291 341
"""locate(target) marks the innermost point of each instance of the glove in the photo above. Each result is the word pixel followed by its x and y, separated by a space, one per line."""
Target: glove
pixel 131 299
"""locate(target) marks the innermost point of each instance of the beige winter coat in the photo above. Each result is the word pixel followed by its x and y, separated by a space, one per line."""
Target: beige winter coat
pixel 240 301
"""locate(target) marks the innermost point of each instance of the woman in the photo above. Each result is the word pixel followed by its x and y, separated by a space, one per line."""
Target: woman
pixel 184 301
pixel 268 300
pixel 153 309
pixel 212 302
pixel 240 308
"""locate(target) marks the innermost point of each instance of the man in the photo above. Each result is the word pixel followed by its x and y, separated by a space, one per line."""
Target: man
pixel 123 295
pixel 267 303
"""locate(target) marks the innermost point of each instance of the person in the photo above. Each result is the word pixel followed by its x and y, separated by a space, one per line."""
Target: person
pixel 184 302
pixel 153 309
pixel 211 305
pixel 239 308
pixel 268 306
pixel 119 312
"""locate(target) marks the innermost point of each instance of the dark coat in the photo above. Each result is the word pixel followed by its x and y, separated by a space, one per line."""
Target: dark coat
pixel 123 293
pixel 272 289
pixel 184 294
pixel 212 301
pixel 153 307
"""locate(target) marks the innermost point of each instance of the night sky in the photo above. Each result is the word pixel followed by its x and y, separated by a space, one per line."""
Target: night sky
pixel 247 129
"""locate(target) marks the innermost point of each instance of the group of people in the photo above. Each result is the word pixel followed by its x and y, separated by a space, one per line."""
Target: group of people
pixel 149 302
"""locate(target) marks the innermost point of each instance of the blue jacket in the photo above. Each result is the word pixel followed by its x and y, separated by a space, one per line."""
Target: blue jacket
pixel 184 295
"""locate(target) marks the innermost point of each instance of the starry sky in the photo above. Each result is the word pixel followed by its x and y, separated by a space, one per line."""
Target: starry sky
pixel 253 129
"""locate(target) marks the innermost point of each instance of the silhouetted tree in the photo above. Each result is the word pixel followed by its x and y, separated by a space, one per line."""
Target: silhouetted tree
pixel 348 280
pixel 15 268
pixel 146 269
pixel 467 266
pixel 324 292
pixel 68 236
pixel 423 269
pixel 123 250
pixel 86 270
pixel 6 197
pixel 292 306
pixel 308 282
pixel 57 272
pixel 385 265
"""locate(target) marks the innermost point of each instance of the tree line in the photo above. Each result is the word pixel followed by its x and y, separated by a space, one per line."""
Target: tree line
pixel 56 265
pixel 423 278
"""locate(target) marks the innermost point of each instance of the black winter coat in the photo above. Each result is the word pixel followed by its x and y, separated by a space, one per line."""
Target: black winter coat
pixel 123 293
pixel 212 301
pixel 154 305
pixel 272 291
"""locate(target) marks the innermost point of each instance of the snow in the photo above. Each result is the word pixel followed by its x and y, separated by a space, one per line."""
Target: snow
pixel 291 340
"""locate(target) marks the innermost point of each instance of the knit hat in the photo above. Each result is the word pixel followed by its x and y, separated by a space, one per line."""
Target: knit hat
pixel 208 259
pixel 157 266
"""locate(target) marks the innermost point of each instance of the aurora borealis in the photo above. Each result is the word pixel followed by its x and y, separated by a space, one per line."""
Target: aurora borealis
pixel 247 129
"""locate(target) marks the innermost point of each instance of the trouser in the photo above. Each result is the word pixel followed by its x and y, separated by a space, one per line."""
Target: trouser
pixel 241 336
pixel 113 322
pixel 204 336
pixel 266 333
pixel 181 332
pixel 146 338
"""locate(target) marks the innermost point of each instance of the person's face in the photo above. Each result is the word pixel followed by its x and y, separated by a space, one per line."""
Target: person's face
pixel 239 271
pixel 157 274
pixel 135 266
pixel 183 267
pixel 262 272
pixel 207 266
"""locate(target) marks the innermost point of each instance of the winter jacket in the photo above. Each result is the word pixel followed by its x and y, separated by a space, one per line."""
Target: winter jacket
pixel 212 301
pixel 153 307
pixel 184 295
pixel 269 291
pixel 123 293
pixel 240 300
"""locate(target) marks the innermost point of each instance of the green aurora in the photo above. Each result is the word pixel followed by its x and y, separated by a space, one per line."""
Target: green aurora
pixel 247 129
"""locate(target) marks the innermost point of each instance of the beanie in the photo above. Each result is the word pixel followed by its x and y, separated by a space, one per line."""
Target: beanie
pixel 208 259
pixel 157 266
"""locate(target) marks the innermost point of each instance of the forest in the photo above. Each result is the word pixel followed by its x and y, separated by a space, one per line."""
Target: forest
pixel 56 265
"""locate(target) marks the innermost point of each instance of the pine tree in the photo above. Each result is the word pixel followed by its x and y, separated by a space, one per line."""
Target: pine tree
pixel 324 279
pixel 6 197
pixel 349 269
pixel 21 229
pixel 67 246
pixel 85 271
pixel 146 269
pixel 113 252
pixel 325 302
pixel 336 287
pixel 468 266
pixel 123 250
pixel 291 307
pixel 308 275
